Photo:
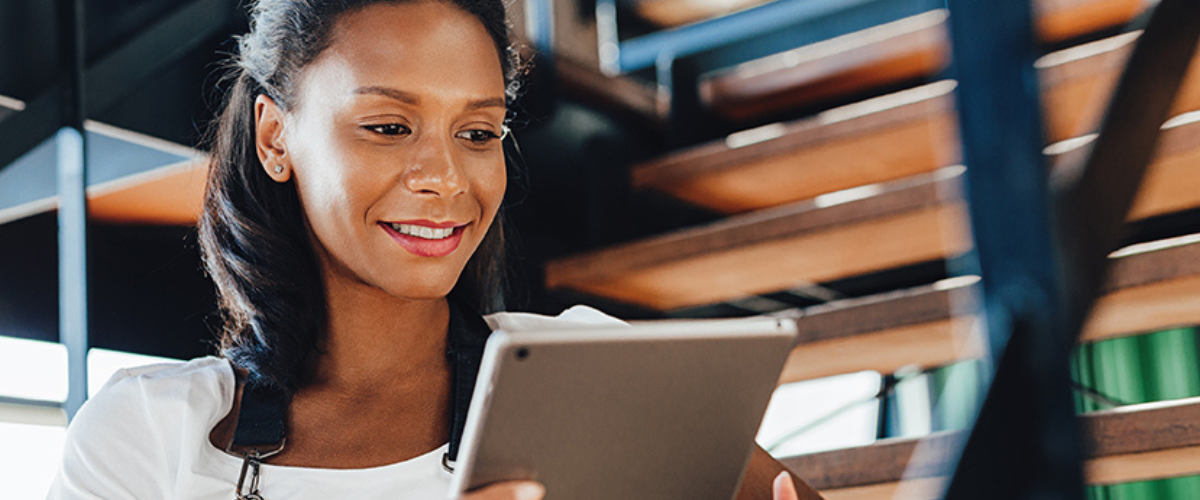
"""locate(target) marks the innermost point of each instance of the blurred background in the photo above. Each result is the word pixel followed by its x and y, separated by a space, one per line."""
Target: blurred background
pixel 682 159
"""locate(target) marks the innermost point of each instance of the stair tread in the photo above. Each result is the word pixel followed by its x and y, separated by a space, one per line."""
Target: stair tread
pixel 897 223
pixel 896 52
pixel 931 326
pixel 1130 443
pixel 880 139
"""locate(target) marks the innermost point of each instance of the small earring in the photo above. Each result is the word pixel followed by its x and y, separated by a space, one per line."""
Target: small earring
pixel 279 169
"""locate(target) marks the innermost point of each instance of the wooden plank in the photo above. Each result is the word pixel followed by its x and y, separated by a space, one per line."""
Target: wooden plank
pixel 881 139
pixel 169 195
pixel 1057 19
pixel 1172 183
pixel 924 327
pixel 932 326
pixel 620 95
pixel 757 252
pixel 894 52
pixel 1077 82
pixel 671 13
pixel 1132 443
pixel 777 249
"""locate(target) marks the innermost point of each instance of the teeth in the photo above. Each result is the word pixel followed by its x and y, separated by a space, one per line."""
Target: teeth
pixel 428 233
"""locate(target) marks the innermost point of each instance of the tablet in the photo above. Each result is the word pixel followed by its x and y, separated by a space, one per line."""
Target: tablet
pixel 656 410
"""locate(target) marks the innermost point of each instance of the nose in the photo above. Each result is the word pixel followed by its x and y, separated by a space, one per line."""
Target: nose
pixel 434 170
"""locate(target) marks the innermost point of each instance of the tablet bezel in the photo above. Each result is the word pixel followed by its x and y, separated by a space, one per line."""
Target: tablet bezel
pixel 766 343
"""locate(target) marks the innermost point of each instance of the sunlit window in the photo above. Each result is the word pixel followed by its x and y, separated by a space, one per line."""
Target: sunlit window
pixel 30 369
pixel 31 434
pixel 822 414
pixel 28 459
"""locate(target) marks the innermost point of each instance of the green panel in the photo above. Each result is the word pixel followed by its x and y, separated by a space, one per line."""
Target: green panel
pixel 955 395
pixel 1146 368
pixel 1171 364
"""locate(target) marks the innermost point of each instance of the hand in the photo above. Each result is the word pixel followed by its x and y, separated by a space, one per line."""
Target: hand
pixel 784 488
pixel 510 490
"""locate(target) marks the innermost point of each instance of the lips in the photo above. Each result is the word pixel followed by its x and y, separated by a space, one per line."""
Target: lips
pixel 425 238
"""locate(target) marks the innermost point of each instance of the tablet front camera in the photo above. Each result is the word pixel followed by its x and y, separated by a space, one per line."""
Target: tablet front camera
pixel 522 353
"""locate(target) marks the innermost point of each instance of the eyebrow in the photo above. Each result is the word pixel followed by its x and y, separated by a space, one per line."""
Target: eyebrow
pixel 413 99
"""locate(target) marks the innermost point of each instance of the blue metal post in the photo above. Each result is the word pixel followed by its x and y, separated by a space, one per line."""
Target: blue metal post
pixel 1024 445
pixel 72 209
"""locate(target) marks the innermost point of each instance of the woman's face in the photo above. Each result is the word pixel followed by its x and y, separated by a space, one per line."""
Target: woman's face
pixel 394 146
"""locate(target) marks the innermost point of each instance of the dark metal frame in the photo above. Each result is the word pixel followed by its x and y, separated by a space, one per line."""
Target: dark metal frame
pixel 114 76
pixel 680 57
pixel 61 112
pixel 1042 242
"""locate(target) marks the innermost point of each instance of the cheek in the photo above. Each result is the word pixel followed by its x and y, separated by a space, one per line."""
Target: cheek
pixel 330 189
pixel 491 188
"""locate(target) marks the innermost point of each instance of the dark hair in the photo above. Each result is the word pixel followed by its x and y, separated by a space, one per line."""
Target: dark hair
pixel 252 232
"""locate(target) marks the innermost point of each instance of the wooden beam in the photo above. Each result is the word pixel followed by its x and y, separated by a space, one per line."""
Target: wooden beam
pixel 1057 19
pixel 171 195
pixel 933 325
pixel 900 51
pixel 620 95
pixel 906 222
pixel 880 139
pixel 168 195
pixel 907 49
pixel 806 242
pixel 1132 443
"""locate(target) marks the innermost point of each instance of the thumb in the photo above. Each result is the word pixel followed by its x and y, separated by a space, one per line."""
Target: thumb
pixel 784 488
pixel 510 490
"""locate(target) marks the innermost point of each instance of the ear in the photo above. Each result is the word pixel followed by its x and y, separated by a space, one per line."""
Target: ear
pixel 268 139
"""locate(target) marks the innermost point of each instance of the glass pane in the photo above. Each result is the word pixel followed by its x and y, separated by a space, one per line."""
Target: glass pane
pixel 28 459
pixel 822 414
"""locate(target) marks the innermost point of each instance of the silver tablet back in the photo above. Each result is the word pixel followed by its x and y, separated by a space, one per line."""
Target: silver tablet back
pixel 660 410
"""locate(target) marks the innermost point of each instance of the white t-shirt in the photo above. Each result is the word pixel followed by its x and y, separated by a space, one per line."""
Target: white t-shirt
pixel 144 436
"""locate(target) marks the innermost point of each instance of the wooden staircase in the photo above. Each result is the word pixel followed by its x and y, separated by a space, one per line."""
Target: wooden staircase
pixel 853 190
pixel 874 185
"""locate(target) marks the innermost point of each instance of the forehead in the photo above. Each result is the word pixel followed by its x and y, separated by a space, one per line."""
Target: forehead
pixel 418 46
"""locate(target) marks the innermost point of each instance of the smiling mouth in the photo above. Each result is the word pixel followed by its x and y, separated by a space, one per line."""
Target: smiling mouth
pixel 424 232
pixel 427 239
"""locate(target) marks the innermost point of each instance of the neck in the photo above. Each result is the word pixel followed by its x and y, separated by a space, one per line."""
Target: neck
pixel 378 344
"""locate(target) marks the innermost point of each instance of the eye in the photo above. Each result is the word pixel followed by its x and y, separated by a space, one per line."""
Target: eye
pixel 388 129
pixel 478 137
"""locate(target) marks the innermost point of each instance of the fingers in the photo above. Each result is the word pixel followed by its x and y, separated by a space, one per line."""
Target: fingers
pixel 511 490
pixel 784 488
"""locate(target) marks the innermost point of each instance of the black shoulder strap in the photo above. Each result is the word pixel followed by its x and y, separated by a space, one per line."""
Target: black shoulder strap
pixel 263 413
pixel 468 335
pixel 262 416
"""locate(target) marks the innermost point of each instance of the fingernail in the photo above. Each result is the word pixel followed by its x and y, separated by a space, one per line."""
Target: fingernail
pixel 783 479
pixel 529 491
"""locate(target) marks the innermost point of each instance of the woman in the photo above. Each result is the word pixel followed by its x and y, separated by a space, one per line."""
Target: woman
pixel 351 226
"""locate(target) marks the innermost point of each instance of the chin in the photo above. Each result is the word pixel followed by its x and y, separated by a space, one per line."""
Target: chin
pixel 418 289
